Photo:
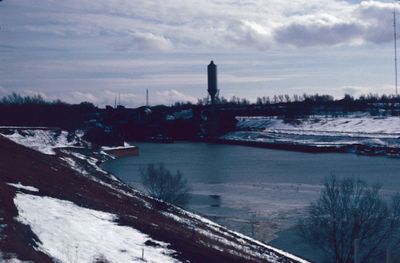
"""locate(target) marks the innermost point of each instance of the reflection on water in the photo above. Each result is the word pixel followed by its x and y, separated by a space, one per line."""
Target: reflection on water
pixel 235 184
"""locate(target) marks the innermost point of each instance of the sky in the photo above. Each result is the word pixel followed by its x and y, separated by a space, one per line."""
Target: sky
pixel 85 50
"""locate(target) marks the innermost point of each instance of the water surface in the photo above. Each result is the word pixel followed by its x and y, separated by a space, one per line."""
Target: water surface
pixel 254 190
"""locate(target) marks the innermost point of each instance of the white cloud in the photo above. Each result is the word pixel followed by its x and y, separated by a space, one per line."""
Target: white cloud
pixel 249 33
pixel 357 91
pixel 100 98
pixel 320 30
pixel 104 97
pixel 169 97
pixel 109 97
pixel 3 91
pixel 144 42
pixel 379 20
pixel 156 25
pixel 352 90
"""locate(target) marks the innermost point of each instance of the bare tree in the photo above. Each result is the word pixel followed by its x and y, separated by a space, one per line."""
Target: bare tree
pixel 161 184
pixel 349 209
pixel 101 259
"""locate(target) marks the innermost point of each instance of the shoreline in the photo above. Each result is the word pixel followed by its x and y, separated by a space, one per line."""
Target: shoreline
pixel 279 146
pixel 121 151
pixel 359 149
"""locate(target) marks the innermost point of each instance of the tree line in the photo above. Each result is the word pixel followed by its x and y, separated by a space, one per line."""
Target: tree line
pixel 296 98
pixel 18 110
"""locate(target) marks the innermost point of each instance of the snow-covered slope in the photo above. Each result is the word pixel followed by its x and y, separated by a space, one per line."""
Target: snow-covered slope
pixel 70 233
pixel 320 131
pixel 361 124
pixel 42 140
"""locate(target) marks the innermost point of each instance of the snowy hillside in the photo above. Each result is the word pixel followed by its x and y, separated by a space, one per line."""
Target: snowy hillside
pixel 61 207
pixel 353 124
pixel 87 235
pixel 43 140
pixel 320 131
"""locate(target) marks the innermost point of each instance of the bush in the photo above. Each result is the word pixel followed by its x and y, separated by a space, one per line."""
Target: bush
pixel 161 184
pixel 349 209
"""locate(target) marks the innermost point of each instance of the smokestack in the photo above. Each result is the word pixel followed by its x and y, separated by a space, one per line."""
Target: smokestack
pixel 212 80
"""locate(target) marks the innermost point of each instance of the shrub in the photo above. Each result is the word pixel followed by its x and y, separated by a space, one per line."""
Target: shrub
pixel 162 184
pixel 349 209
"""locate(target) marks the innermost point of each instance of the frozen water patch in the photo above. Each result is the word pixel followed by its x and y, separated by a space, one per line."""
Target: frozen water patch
pixel 268 198
pixel 70 233
pixel 24 187
pixel 270 207
pixel 41 140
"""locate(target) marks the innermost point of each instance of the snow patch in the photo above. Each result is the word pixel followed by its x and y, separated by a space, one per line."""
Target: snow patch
pixel 241 242
pixel 71 163
pixel 90 160
pixel 24 187
pixel 180 115
pixel 70 233
pixel 320 131
pixel 41 140
pixel 348 124
pixel 11 258
pixel 126 145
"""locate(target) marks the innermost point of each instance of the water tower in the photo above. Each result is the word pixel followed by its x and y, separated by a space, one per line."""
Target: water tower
pixel 212 81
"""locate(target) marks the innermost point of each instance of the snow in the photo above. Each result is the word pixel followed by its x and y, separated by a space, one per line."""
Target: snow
pixel 180 115
pixel 349 124
pixel 320 130
pixel 241 242
pixel 11 258
pixel 15 260
pixel 77 166
pixel 41 140
pixel 71 163
pixel 70 233
pixel 90 160
pixel 126 146
pixel 21 186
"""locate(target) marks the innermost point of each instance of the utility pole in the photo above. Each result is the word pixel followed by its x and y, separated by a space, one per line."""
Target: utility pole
pixel 395 46
pixel 147 97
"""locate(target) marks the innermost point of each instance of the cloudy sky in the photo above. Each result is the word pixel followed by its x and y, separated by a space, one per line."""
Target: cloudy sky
pixel 86 50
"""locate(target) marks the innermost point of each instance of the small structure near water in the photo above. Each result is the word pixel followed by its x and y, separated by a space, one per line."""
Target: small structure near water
pixel 122 151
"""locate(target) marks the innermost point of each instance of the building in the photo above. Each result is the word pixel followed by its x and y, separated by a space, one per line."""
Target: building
pixel 212 81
